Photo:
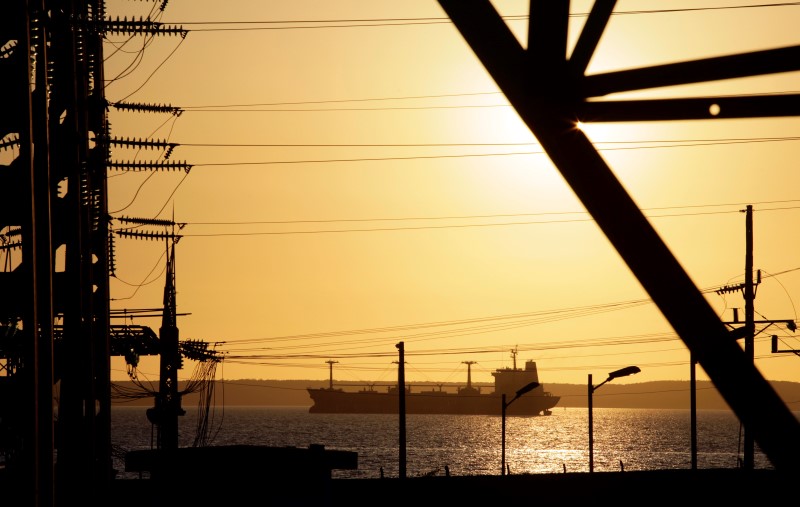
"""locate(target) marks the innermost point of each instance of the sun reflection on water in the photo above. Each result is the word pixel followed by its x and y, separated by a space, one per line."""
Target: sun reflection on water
pixel 633 439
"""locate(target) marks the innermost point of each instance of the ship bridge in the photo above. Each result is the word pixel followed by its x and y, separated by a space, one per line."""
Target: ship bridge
pixel 508 380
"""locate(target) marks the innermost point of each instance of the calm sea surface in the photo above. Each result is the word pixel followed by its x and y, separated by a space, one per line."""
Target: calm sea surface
pixel 639 439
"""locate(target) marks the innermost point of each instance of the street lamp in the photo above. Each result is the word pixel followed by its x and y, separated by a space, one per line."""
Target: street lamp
pixel 520 392
pixel 624 372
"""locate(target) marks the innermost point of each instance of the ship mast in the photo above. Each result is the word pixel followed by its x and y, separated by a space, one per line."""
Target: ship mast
pixel 514 356
pixel 330 382
pixel 469 373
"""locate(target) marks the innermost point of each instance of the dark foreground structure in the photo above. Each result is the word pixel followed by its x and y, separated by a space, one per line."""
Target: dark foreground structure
pixel 667 487
pixel 243 475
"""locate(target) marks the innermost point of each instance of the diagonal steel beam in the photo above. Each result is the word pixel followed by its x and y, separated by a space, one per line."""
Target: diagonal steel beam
pixel 704 108
pixel 590 35
pixel 547 35
pixel 552 120
pixel 769 61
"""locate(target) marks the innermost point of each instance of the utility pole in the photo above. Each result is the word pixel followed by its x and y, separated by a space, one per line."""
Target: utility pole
pixel 747 332
pixel 55 101
pixel 591 423
pixel 164 415
pixel 749 338
pixel 693 407
pixel 168 402
pixel 401 388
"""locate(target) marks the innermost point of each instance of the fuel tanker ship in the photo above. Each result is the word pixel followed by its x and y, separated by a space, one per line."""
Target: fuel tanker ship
pixel 520 385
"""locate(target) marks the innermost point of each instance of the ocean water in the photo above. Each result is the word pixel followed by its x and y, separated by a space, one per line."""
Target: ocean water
pixel 633 439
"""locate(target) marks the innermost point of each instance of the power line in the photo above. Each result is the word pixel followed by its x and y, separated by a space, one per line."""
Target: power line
pixel 744 140
pixel 438 324
pixel 466 217
pixel 154 71
pixel 277 107
pixel 473 155
pixel 268 360
pixel 338 101
pixel 416 21
pixel 339 109
pixel 474 324
pixel 255 360
pixel 448 226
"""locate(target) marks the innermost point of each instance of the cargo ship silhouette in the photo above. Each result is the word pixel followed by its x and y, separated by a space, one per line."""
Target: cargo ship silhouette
pixel 466 400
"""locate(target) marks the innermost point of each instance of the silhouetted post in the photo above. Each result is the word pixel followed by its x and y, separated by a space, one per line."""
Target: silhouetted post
pixel 168 402
pixel 622 372
pixel 522 390
pixel 749 318
pixel 503 437
pixel 693 408
pixel 401 386
pixel 591 435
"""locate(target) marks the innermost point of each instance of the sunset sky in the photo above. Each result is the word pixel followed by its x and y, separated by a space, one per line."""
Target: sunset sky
pixel 358 180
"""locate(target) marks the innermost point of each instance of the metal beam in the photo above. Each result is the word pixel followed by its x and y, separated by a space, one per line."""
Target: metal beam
pixel 590 35
pixel 757 63
pixel 705 108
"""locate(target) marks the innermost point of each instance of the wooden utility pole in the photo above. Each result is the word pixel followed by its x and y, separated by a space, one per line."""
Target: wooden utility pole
pixel 693 407
pixel 589 394
pixel 401 394
pixel 749 338
pixel 748 333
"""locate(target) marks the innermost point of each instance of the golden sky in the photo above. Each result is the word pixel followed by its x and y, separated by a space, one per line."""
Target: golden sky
pixel 357 180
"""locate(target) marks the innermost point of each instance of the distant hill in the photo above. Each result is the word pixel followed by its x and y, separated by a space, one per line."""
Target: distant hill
pixel 661 394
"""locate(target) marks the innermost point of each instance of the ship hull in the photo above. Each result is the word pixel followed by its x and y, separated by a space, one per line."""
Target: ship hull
pixel 337 401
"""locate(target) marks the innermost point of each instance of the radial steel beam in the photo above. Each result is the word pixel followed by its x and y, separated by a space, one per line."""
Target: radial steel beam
pixel 704 108
pixel 757 63
pixel 590 35
pixel 547 99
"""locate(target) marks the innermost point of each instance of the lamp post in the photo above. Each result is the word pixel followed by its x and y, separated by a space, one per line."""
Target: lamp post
pixel 624 372
pixel 520 392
